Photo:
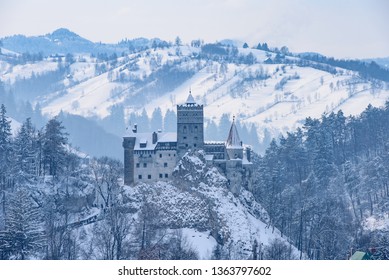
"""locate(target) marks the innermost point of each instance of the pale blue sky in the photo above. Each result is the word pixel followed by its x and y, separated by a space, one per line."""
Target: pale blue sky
pixel 340 28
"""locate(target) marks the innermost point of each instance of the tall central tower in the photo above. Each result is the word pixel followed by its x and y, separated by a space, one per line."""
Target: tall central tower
pixel 190 126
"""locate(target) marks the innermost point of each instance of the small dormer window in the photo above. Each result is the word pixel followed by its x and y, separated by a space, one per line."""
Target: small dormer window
pixel 143 143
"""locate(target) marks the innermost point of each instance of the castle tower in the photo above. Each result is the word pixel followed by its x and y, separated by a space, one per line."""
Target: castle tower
pixel 190 126
pixel 128 145
pixel 234 145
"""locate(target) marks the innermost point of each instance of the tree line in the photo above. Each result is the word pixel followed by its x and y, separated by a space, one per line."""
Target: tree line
pixel 321 182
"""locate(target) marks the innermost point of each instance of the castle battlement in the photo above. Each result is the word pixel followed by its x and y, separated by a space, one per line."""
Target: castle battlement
pixel 190 107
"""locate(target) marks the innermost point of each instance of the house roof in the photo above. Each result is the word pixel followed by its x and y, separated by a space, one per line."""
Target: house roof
pixel 359 255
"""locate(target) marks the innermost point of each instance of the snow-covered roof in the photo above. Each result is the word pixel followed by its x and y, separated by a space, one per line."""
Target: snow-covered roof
pixel 144 141
pixel 233 139
pixel 129 132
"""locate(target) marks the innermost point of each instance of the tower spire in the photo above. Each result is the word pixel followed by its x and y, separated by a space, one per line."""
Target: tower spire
pixel 233 140
pixel 190 100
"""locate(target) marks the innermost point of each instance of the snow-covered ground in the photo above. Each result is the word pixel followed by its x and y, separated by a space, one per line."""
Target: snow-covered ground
pixel 203 242
pixel 227 88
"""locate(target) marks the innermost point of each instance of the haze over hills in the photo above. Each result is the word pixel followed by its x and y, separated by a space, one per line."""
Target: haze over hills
pixel 269 90
pixel 62 41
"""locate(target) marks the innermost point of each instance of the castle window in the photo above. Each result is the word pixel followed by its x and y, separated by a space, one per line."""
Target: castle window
pixel 160 175
pixel 165 164
pixel 140 177
pixel 137 165
pixel 148 176
pixel 144 165
pixel 166 175
pixel 186 145
pixel 184 128
pixel 169 155
pixel 184 137
pixel 160 155
pixel 196 128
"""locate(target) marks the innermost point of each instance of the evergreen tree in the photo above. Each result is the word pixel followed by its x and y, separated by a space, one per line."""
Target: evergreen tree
pixel 26 151
pixel 114 123
pixel 211 131
pixel 143 122
pixel 170 121
pixel 54 150
pixel 224 127
pixel 156 120
pixel 253 137
pixel 23 235
pixel 265 47
pixel 5 141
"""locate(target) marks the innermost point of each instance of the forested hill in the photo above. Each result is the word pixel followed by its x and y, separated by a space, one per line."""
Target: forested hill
pixel 326 185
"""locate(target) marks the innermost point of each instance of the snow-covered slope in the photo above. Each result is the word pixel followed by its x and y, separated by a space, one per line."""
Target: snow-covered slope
pixel 274 96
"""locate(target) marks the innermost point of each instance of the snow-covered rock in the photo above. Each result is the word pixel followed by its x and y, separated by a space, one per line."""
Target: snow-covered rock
pixel 198 200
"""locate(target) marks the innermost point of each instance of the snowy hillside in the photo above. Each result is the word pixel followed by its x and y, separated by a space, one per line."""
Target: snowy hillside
pixel 253 93
pixel 261 88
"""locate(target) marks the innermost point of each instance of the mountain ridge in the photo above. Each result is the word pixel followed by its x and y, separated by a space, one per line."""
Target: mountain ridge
pixel 270 91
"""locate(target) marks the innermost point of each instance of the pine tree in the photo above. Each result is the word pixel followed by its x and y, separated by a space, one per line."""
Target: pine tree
pixel 224 127
pixel 143 122
pixel 156 120
pixel 26 151
pixel 5 141
pixel 170 121
pixel 23 235
pixel 54 142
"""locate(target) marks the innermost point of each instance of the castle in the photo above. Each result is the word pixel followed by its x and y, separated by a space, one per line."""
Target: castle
pixel 150 157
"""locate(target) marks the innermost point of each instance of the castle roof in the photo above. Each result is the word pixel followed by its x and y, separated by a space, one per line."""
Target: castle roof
pixel 144 141
pixel 233 139
pixel 190 99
